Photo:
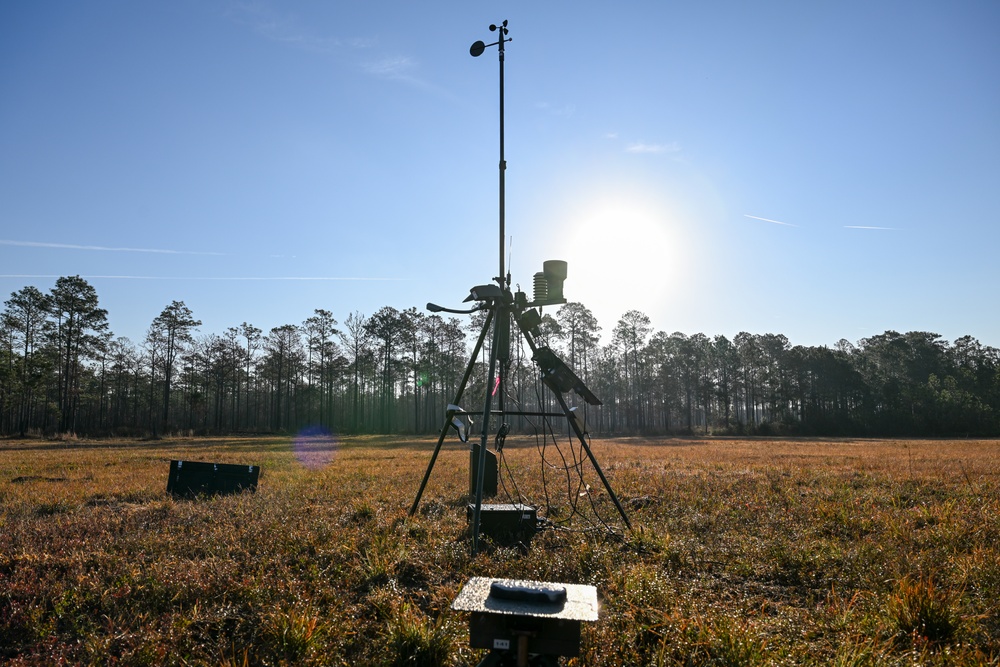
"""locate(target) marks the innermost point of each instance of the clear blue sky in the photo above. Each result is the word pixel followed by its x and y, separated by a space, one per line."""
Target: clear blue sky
pixel 822 170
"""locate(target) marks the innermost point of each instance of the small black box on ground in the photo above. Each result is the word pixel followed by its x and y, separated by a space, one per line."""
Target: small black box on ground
pixel 189 478
pixel 518 617
pixel 507 522
pixel 489 473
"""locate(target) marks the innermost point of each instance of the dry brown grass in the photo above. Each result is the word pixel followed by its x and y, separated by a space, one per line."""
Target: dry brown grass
pixel 745 552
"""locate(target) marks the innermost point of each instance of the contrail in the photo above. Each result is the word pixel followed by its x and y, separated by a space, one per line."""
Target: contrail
pixel 777 222
pixel 220 278
pixel 72 246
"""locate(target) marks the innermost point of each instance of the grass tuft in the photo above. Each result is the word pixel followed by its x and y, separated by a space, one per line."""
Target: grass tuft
pixel 417 641
pixel 921 613
pixel 294 632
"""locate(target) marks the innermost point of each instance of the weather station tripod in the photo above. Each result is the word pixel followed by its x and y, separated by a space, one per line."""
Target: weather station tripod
pixel 510 313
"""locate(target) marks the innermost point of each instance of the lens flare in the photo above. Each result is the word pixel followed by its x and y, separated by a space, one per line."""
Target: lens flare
pixel 315 447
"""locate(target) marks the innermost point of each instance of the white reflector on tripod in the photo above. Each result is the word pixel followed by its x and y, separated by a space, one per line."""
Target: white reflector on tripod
pixel 458 423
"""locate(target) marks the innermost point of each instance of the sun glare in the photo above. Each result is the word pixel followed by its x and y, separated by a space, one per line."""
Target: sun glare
pixel 623 253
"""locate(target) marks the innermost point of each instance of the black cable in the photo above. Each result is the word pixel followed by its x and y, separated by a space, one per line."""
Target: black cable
pixel 572 468
pixel 501 437
pixel 503 465
pixel 565 467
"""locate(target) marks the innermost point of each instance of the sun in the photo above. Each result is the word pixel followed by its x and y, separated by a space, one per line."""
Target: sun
pixel 624 252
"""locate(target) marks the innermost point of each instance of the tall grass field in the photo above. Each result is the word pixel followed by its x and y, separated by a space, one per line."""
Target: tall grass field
pixel 743 552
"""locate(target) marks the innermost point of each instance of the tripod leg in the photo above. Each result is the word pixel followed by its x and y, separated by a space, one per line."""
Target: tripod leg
pixel 430 466
pixel 600 473
pixel 487 408
pixel 458 398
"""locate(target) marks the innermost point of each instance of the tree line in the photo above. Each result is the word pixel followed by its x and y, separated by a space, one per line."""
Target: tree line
pixel 62 371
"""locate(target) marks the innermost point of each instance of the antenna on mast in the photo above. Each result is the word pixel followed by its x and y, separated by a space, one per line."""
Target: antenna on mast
pixel 476 50
pixel 510 253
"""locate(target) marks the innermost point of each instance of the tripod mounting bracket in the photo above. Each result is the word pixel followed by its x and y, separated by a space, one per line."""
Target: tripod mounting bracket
pixel 488 292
